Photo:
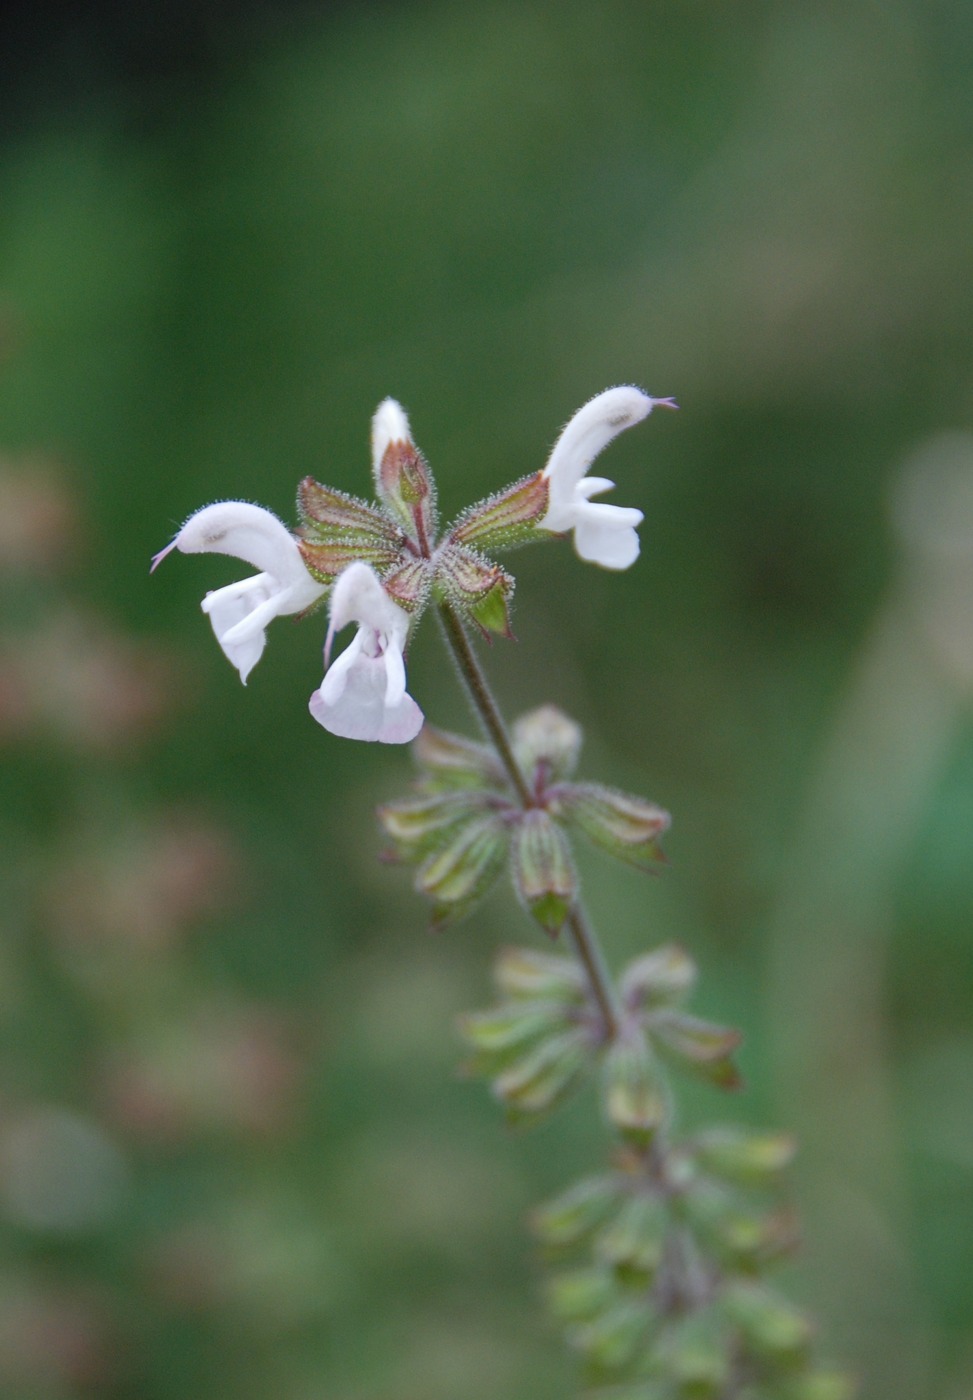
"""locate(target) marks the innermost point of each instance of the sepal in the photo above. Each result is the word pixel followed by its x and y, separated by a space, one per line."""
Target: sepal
pixel 328 514
pixel 696 1353
pixel 503 1034
pixel 540 1041
pixel 626 826
pixel 543 871
pixel 507 519
pixel 745 1239
pixel 326 561
pixel 611 1341
pixel 580 1295
pixel 480 590
pixel 409 586
pixel 338 529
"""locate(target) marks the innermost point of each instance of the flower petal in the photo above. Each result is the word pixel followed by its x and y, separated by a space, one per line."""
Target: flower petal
pixel 228 608
pixel 360 711
pixel 606 535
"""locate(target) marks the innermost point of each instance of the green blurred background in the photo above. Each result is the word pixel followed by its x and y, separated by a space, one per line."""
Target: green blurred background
pixel 234 1157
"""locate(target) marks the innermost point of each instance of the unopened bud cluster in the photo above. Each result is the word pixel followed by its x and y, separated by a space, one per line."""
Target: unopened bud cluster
pixel 467 823
pixel 659 1261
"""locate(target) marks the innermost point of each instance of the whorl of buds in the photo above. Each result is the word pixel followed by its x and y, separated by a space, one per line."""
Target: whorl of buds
pixel 654 1298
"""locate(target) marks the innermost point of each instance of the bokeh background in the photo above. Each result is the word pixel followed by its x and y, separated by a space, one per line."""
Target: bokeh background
pixel 234 1156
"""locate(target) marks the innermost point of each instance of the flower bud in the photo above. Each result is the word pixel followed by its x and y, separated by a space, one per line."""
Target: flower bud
pixel 577 1213
pixel 546 736
pixel 581 1294
pixel 634 1241
pixel 634 1093
pixel 418 824
pixel 699 1046
pixel 452 761
pixel 458 874
pixel 696 1354
pixel 745 1159
pixel 628 827
pixel 611 1341
pixel 523 972
pixel 659 978
pixel 543 871
pixel 545 1076
pixel 502 1034
pixel 822 1385
pixel 507 519
pixel 773 1329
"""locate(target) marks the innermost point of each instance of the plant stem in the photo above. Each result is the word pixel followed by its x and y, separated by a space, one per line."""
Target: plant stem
pixel 482 699
pixel 586 941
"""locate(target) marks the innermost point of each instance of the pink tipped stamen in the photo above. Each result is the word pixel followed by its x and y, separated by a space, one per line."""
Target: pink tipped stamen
pixel 664 403
pixel 158 558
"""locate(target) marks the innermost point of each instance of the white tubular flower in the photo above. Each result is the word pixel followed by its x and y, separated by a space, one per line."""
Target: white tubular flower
pixel 603 534
pixel 240 612
pixel 363 694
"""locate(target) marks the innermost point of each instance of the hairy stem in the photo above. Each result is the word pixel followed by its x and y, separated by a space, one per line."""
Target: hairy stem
pixel 586 941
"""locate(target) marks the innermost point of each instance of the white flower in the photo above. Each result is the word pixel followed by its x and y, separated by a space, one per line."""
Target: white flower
pixel 363 694
pixel 603 534
pixel 240 612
